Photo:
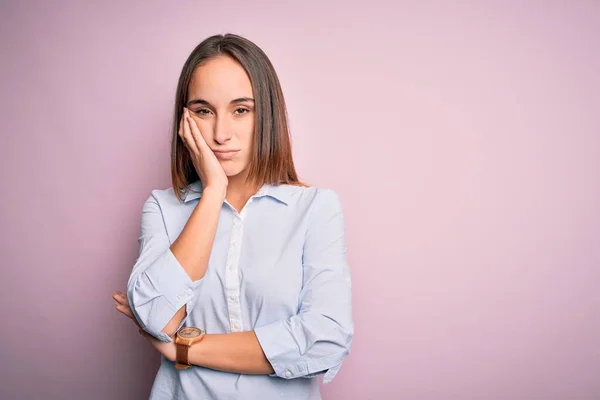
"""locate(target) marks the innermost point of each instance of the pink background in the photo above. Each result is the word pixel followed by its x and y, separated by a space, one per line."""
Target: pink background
pixel 463 137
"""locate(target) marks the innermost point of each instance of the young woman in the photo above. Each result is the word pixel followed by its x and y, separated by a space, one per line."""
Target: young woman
pixel 239 247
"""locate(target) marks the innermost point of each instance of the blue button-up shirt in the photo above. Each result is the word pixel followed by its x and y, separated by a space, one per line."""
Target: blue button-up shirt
pixel 277 267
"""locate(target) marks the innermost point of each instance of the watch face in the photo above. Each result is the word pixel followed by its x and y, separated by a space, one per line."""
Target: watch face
pixel 189 332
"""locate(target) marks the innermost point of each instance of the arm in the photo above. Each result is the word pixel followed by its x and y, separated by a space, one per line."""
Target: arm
pixel 160 287
pixel 237 352
pixel 318 338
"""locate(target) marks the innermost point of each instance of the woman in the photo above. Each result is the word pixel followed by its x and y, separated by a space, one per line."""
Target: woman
pixel 239 247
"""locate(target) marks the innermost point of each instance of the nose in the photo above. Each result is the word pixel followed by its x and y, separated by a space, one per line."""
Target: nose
pixel 222 130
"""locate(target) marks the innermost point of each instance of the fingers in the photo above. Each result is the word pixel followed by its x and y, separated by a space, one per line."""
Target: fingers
pixel 199 139
pixel 122 305
pixel 121 298
pixel 186 134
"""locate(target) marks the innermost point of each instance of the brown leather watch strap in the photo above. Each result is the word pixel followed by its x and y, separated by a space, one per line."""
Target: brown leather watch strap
pixel 182 356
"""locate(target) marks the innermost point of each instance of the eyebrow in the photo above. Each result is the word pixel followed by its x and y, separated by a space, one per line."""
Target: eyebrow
pixel 206 103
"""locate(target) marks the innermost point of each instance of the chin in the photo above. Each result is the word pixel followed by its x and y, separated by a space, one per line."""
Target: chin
pixel 232 170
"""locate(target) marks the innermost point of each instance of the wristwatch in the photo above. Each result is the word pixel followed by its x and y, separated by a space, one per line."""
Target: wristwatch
pixel 184 339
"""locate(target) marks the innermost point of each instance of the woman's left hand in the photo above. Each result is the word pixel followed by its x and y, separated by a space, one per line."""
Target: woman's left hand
pixel 166 349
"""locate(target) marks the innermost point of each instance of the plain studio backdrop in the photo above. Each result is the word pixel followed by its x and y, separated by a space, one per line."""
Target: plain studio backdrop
pixel 463 138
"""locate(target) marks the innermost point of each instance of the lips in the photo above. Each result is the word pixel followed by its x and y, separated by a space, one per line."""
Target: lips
pixel 225 154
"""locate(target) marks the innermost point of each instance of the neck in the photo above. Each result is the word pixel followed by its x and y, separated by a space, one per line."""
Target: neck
pixel 239 191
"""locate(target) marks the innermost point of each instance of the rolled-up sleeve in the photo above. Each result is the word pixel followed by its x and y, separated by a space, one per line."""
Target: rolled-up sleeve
pixel 317 339
pixel 158 285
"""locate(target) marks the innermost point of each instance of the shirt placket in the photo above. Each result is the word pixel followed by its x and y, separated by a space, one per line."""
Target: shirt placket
pixel 232 271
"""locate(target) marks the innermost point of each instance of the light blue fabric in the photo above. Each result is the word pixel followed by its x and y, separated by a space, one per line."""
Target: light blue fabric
pixel 278 267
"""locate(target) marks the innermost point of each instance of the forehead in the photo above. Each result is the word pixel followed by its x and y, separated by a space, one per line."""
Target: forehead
pixel 220 79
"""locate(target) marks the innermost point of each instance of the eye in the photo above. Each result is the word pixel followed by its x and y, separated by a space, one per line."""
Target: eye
pixel 242 110
pixel 202 111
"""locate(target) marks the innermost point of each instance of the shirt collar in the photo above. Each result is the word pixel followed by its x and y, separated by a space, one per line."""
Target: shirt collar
pixel 279 192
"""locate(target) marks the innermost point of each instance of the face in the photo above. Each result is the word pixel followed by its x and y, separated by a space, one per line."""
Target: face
pixel 220 99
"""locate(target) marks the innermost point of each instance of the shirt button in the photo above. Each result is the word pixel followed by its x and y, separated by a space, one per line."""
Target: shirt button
pixel 231 298
pixel 288 374
pixel 236 326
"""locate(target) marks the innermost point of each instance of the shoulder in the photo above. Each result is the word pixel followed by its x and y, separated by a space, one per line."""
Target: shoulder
pixel 322 210
pixel 315 199
pixel 164 198
pixel 325 196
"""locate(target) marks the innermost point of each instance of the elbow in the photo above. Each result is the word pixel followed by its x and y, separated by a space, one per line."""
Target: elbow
pixel 323 344
pixel 150 313
pixel 140 310
pixel 337 348
pixel 157 289
pixel 334 344
pixel 346 331
pixel 132 296
pixel 337 331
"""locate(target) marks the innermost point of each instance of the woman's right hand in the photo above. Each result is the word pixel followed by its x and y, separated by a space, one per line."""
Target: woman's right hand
pixel 205 162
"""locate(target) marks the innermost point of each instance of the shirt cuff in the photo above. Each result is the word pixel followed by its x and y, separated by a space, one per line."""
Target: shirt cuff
pixel 283 354
pixel 168 278
pixel 163 337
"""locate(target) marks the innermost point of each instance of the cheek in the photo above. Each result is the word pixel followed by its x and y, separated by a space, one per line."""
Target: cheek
pixel 207 135
pixel 248 134
pixel 248 138
pixel 205 129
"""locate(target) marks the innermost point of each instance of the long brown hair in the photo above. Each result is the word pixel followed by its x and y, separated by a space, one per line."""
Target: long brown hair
pixel 271 160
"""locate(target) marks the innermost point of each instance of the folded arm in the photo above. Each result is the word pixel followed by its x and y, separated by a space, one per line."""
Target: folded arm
pixel 160 287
